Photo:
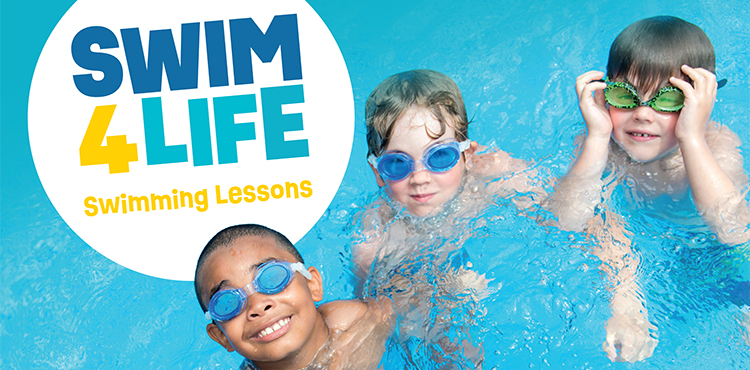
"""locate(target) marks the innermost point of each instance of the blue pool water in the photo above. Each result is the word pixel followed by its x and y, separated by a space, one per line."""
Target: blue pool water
pixel 65 306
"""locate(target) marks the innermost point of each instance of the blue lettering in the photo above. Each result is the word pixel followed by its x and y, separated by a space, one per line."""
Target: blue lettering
pixel 282 34
pixel 182 73
pixel 216 52
pixel 107 64
pixel 275 123
pixel 200 132
pixel 227 132
pixel 157 152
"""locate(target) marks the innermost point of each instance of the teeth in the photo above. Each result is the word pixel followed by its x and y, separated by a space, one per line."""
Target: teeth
pixel 278 325
pixel 639 134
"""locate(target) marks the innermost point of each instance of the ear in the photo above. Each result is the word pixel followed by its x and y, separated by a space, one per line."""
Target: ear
pixel 214 331
pixel 468 153
pixel 378 179
pixel 472 147
pixel 315 284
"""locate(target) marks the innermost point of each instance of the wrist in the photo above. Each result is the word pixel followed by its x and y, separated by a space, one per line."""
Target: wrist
pixel 600 142
pixel 691 141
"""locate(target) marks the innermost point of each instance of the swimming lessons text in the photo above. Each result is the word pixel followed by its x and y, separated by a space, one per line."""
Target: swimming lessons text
pixel 198 200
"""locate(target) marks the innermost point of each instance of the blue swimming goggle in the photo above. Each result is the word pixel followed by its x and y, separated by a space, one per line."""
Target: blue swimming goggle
pixel 270 278
pixel 439 157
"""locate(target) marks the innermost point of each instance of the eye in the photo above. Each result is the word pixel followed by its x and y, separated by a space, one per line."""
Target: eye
pixel 273 277
pixel 443 158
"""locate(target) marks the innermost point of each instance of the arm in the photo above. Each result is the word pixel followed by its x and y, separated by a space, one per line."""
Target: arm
pixel 507 176
pixel 628 330
pixel 578 192
pixel 714 193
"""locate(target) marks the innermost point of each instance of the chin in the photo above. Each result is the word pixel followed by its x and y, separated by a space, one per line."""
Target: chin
pixel 640 157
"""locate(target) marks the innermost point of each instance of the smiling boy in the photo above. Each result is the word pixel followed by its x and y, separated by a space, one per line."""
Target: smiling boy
pixel 649 126
pixel 262 301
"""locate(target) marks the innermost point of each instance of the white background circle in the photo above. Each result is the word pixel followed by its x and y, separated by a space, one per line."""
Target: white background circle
pixel 166 243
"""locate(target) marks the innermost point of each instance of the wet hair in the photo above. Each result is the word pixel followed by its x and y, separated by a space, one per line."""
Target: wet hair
pixel 420 87
pixel 228 236
pixel 652 50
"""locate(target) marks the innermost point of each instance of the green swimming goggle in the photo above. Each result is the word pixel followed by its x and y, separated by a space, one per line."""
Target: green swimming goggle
pixel 624 96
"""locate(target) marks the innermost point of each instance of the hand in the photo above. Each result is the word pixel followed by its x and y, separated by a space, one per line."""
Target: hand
pixel 628 337
pixel 593 106
pixel 699 102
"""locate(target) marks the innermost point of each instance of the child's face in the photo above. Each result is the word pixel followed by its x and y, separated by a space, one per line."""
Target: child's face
pixel 422 192
pixel 644 133
pixel 299 328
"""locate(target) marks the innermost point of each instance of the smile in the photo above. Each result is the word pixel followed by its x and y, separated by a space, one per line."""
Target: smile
pixel 272 328
pixel 422 197
pixel 642 136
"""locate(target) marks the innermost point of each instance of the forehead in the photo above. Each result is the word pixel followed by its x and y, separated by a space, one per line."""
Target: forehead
pixel 417 121
pixel 237 262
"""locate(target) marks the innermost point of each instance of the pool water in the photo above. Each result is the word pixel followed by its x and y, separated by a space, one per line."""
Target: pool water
pixel 65 306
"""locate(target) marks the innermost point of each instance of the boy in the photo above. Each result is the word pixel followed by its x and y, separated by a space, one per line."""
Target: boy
pixel 273 321
pixel 418 149
pixel 648 124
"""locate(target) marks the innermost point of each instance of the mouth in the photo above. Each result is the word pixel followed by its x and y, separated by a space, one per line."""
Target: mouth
pixel 641 136
pixel 422 198
pixel 273 330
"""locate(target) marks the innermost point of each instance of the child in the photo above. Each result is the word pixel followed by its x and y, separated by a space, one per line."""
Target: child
pixel 273 321
pixel 419 150
pixel 649 123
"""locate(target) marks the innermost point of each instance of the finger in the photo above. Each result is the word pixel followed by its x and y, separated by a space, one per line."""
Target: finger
pixel 585 79
pixel 599 97
pixel 590 88
pixel 610 346
pixel 683 85
pixel 700 77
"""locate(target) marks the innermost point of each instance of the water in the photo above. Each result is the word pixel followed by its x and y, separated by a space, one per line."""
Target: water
pixel 65 306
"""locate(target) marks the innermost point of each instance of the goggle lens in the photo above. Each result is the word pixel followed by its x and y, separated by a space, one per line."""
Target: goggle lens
pixel 623 95
pixel 669 101
pixel 273 279
pixel 440 157
pixel 227 303
pixel 395 166
pixel 270 278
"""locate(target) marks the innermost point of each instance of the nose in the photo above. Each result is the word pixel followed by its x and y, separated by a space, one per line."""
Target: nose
pixel 258 305
pixel 421 175
pixel 644 113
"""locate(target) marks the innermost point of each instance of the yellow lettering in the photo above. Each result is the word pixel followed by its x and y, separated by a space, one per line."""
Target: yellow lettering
pixel 218 196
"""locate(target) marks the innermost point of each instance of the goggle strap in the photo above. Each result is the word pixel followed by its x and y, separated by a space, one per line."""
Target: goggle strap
pixel 208 315
pixel 462 146
pixel 300 267
pixel 373 160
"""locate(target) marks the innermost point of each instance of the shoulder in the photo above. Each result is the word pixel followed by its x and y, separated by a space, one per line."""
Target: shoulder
pixel 724 145
pixel 342 314
pixel 493 161
pixel 720 137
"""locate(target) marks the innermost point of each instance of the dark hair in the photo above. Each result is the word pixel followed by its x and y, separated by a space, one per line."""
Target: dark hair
pixel 228 236
pixel 420 87
pixel 654 49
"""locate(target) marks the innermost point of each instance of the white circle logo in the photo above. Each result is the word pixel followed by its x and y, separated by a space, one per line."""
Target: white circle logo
pixel 155 124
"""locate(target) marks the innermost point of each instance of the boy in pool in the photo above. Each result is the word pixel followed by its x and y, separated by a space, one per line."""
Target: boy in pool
pixel 280 328
pixel 649 122
pixel 436 181
pixel 419 150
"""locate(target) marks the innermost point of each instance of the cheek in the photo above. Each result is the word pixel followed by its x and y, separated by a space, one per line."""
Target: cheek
pixel 618 117
pixel 451 180
pixel 397 189
pixel 670 122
